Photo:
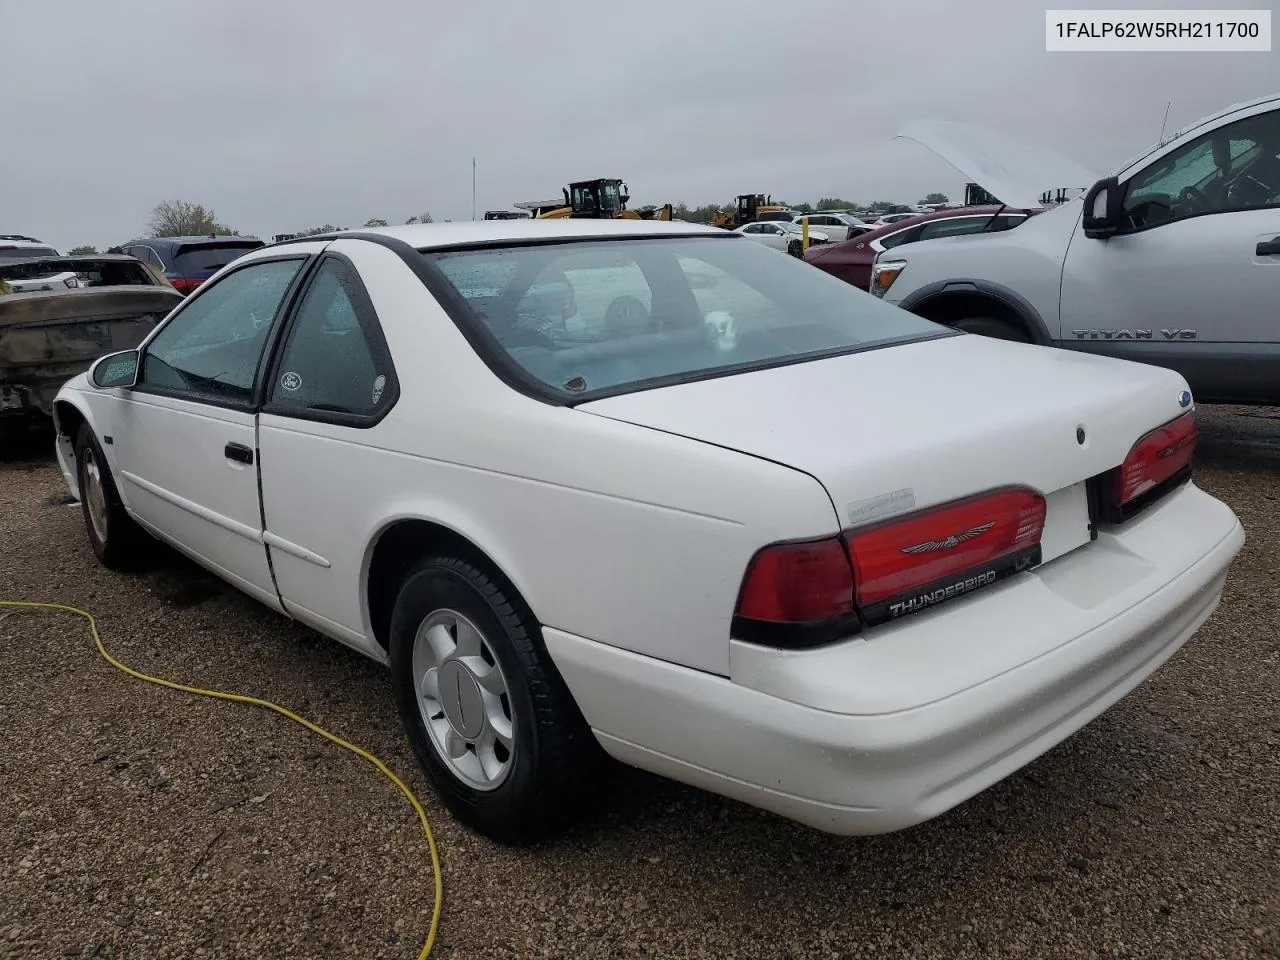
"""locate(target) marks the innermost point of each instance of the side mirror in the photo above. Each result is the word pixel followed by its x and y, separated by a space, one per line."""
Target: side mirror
pixel 1102 209
pixel 115 370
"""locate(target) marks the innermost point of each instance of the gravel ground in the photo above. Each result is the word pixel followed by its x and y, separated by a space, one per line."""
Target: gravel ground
pixel 145 823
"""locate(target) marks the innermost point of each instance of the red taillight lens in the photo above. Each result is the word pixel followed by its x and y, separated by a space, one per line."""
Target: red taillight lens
pixel 983 536
pixel 802 594
pixel 184 285
pixel 1156 458
pixel 797 583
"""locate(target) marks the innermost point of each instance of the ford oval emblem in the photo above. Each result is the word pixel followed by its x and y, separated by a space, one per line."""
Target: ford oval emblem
pixel 1184 398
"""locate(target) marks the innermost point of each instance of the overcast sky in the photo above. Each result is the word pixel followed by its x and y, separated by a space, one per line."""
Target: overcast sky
pixel 286 114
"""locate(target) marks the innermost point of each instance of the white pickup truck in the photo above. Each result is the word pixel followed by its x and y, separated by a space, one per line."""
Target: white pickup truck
pixel 1174 260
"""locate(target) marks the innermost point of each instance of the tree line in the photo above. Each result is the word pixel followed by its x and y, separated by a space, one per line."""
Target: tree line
pixel 179 218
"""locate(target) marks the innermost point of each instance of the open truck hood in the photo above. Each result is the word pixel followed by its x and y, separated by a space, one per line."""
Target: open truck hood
pixel 905 427
pixel 1016 173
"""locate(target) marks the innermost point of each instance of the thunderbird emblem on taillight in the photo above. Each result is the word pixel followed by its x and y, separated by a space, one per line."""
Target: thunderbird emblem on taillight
pixel 954 540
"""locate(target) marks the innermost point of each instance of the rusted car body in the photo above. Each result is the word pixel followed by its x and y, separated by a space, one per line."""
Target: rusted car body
pixel 49 335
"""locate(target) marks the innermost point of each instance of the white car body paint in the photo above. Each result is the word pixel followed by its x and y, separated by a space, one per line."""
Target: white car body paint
pixel 632 556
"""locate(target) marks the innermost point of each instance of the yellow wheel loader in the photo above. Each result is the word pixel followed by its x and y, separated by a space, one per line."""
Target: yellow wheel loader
pixel 601 199
pixel 751 207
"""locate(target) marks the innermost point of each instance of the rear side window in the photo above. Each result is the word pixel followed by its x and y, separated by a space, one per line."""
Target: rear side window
pixel 197 258
pixel 334 361
pixel 609 315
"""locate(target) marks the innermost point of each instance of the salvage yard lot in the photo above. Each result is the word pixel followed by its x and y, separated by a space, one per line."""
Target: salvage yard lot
pixel 145 823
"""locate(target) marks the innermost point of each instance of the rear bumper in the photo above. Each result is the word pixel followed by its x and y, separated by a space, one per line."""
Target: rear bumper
pixel 851 772
pixel 35 398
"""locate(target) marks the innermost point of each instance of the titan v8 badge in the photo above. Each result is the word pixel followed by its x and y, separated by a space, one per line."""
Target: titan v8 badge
pixel 1166 333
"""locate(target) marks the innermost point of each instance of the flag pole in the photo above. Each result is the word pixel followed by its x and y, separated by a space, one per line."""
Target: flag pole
pixel 473 188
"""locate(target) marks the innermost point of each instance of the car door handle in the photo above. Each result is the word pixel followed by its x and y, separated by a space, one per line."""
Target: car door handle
pixel 1269 248
pixel 238 452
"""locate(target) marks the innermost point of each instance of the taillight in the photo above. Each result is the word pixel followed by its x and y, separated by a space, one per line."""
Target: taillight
pixel 1159 461
pixel 912 563
pixel 797 594
pixel 802 594
pixel 184 285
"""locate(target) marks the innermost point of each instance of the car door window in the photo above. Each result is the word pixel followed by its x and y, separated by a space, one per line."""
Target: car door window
pixel 1236 167
pixel 953 227
pixel 894 239
pixel 211 348
pixel 335 364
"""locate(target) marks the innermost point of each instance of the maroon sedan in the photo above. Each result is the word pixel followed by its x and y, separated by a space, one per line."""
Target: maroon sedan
pixel 851 260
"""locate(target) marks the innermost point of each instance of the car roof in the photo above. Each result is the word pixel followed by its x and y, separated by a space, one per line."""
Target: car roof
pixel 65 259
pixel 185 241
pixel 466 232
pixel 1196 125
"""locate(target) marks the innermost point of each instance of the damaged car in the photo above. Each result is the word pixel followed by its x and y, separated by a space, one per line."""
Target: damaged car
pixel 58 315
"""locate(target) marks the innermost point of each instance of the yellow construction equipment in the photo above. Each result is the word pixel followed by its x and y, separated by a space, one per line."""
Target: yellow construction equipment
pixel 600 199
pixel 750 208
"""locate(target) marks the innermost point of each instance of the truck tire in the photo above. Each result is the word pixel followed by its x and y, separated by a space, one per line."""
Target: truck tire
pixel 994 328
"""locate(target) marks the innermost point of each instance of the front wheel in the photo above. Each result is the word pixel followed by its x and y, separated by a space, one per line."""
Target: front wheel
pixel 486 712
pixel 117 541
pixel 795 248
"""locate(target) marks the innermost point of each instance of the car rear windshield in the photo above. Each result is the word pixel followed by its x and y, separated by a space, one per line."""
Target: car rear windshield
pixel 586 318
pixel 197 257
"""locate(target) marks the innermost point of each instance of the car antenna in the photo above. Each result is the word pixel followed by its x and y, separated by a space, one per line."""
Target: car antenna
pixel 1165 123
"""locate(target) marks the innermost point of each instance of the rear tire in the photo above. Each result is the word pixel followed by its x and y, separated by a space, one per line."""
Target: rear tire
pixel 994 328
pixel 117 541
pixel 489 717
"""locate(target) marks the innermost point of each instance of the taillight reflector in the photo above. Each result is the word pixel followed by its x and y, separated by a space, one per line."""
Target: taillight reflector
pixel 1157 457
pixel 798 583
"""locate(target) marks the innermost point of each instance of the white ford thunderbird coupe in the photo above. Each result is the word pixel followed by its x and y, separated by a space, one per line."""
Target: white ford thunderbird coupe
pixel 652 487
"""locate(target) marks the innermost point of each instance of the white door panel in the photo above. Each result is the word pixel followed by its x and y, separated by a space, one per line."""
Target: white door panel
pixel 333 383
pixel 1195 280
pixel 313 522
pixel 178 479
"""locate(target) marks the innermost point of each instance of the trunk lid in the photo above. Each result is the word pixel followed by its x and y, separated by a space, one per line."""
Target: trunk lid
pixel 897 429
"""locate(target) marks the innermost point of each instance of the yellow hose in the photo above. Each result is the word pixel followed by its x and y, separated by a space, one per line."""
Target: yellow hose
pixel 268 705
